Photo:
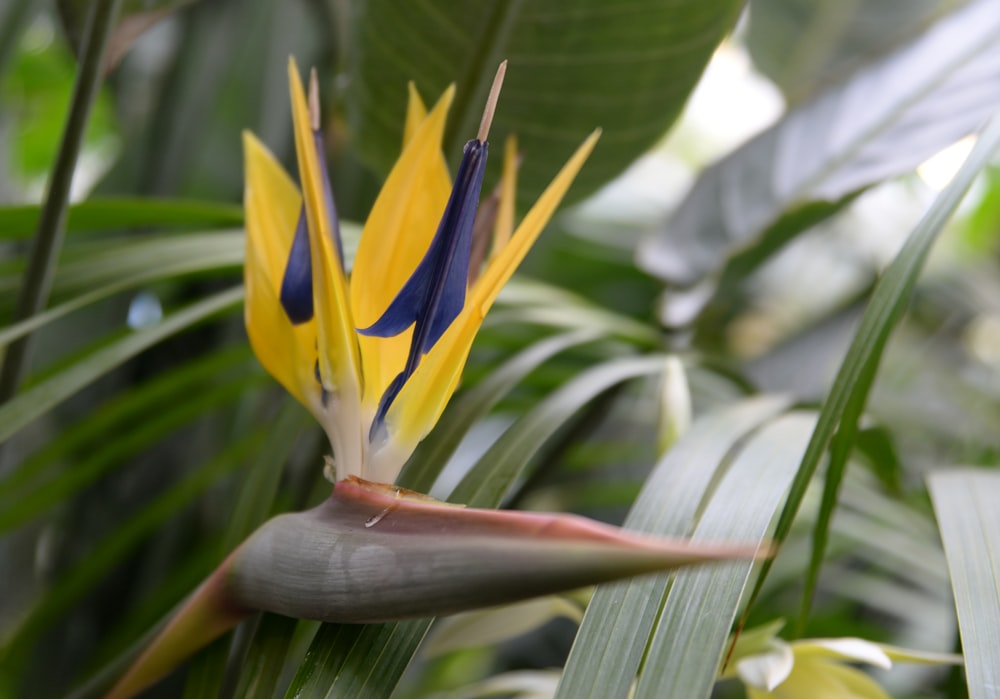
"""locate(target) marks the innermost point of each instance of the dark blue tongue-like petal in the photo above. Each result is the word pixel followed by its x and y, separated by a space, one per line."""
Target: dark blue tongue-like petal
pixel 435 293
pixel 296 285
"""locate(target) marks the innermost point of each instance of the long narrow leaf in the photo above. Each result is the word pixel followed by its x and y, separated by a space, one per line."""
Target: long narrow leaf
pixel 488 481
pixel 41 263
pixel 94 566
pixel 847 396
pixel 138 404
pixel 690 638
pixel 120 213
pixel 39 399
pixel 193 265
pixel 881 123
pixel 965 501
pixel 27 503
pixel 612 638
pixel 254 505
pixel 86 266
pixel 474 404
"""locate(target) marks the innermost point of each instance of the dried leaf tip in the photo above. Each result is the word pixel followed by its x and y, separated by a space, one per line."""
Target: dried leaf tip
pixel 491 103
pixel 314 100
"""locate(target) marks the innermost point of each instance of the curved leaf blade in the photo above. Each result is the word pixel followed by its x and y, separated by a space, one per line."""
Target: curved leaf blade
pixel 690 638
pixel 432 454
pixel 965 501
pixel 37 400
pixel 627 68
pixel 612 639
pixel 17 222
pixel 838 419
pixel 881 123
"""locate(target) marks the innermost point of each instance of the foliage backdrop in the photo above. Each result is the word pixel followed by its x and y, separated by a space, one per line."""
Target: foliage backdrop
pixel 145 441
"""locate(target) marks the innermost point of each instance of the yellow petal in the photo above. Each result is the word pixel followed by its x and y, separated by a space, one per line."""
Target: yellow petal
pixel 338 353
pixel 272 208
pixel 422 399
pixel 504 226
pixel 416 112
pixel 396 236
pixel 502 266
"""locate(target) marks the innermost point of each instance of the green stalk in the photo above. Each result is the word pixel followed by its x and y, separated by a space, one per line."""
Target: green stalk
pixel 48 240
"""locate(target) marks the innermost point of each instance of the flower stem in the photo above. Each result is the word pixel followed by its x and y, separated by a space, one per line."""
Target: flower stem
pixel 37 282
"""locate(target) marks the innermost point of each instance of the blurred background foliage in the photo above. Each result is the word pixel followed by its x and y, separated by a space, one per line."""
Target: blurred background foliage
pixel 667 354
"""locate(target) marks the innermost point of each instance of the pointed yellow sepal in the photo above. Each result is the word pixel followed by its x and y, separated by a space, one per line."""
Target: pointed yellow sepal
pixel 398 232
pixel 272 205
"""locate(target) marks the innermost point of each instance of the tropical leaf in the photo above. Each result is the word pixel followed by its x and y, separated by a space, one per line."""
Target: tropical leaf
pixel 838 421
pixel 687 647
pixel 882 122
pixel 42 397
pixel 804 45
pixel 614 634
pixel 625 68
pixel 110 214
pixel 965 504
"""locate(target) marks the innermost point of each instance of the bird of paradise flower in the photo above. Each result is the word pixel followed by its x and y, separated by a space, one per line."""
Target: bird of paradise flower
pixel 376 354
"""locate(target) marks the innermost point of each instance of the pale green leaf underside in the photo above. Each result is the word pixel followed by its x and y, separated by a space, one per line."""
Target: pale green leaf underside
pixel 613 636
pixel 965 502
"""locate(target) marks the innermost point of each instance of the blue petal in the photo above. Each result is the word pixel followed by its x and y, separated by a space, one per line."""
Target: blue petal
pixel 296 286
pixel 331 208
pixel 435 294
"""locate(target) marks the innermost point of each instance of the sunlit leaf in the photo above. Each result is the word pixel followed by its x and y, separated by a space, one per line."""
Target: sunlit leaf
pixel 882 122
pixel 838 420
pixel 965 504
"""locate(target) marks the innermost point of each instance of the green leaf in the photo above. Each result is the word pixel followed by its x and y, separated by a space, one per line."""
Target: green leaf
pixel 34 291
pixel 965 502
pixel 341 660
pixel 488 481
pixel 95 565
pixel 847 397
pixel 883 122
pixel 612 639
pixel 573 67
pixel 25 503
pixel 114 214
pixel 432 454
pixel 42 397
pixel 486 627
pixel 255 504
pixel 803 45
pixel 111 262
pixel 265 659
pixel 117 416
pixel 193 264
pixel 688 644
